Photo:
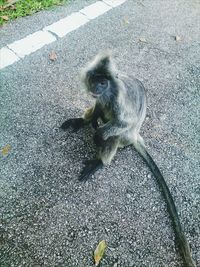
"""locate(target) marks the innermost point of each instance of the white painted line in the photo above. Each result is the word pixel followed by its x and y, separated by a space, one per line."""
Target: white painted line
pixel 68 24
pixel 31 43
pixel 114 3
pixel 7 57
pixel 95 9
pixel 37 40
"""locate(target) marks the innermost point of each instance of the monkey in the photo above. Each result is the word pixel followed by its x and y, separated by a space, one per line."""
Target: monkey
pixel 117 116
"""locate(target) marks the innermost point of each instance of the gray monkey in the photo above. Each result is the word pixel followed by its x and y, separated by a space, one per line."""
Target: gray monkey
pixel 120 106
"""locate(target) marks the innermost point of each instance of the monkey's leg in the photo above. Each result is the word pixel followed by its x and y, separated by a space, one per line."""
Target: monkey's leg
pixel 78 123
pixel 106 153
pixel 90 168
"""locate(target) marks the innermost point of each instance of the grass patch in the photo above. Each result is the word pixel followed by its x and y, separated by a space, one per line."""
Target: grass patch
pixel 12 9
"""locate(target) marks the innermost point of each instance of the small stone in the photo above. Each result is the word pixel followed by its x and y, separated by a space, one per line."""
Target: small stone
pixel 177 38
pixel 163 117
pixel 149 175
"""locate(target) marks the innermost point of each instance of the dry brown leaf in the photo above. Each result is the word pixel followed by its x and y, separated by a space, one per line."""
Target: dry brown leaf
pixel 143 40
pixel 5 17
pixel 177 38
pixel 10 4
pixel 99 252
pixel 53 56
pixel 6 149
pixel 12 7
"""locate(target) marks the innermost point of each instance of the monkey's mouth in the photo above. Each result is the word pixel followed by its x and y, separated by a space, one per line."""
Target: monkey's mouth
pixel 95 95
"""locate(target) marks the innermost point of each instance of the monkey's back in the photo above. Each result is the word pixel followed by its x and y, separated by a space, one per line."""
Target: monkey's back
pixel 134 98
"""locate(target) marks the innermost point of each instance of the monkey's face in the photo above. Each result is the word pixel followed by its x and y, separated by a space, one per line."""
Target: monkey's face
pixel 97 85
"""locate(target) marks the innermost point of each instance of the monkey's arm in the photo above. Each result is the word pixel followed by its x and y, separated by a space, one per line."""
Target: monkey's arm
pixel 91 115
pixel 75 123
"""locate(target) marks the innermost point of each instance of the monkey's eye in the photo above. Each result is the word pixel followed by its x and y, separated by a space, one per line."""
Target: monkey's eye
pixel 103 82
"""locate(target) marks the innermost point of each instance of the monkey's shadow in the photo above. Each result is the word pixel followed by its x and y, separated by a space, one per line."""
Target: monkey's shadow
pixel 76 146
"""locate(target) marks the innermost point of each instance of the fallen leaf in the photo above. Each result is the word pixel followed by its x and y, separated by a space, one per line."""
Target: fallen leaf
pixel 6 149
pixel 143 40
pixel 5 17
pixel 125 20
pixel 140 3
pixel 11 2
pixel 99 251
pixel 177 38
pixel 52 56
pixel 12 7
pixel 9 6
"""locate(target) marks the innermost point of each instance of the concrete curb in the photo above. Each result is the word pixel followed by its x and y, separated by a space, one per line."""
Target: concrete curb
pixel 17 50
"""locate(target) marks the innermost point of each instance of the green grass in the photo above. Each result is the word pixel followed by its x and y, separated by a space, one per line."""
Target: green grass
pixel 24 8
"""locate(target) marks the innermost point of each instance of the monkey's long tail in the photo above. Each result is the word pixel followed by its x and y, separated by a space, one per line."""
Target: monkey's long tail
pixel 179 234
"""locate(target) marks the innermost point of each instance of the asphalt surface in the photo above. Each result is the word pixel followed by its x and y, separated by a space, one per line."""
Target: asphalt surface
pixel 47 217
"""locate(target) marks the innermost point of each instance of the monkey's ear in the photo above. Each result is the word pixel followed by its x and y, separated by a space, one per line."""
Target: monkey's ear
pixel 105 61
pixel 104 58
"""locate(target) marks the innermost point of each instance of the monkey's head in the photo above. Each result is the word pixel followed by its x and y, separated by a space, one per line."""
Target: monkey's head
pixel 99 75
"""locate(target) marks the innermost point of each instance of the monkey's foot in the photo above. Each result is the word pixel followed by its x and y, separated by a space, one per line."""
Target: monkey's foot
pixel 90 168
pixel 75 124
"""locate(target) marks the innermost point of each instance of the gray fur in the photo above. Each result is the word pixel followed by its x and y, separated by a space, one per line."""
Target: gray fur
pixel 123 104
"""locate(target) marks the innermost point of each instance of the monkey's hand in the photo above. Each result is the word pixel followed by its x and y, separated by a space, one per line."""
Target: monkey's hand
pixel 95 123
pixel 113 128
pixel 98 139
pixel 75 124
